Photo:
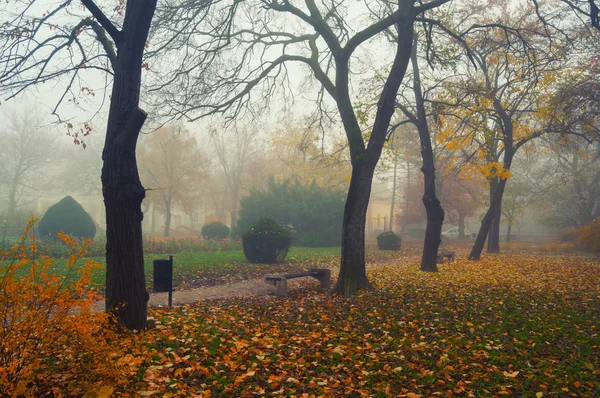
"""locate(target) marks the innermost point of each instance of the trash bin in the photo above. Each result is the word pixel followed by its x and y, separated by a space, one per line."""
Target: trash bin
pixel 163 277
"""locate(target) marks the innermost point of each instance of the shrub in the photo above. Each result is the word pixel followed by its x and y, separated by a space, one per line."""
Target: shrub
pixel 589 236
pixel 569 235
pixel 266 243
pixel 314 214
pixel 69 217
pixel 388 241
pixel 51 339
pixel 215 230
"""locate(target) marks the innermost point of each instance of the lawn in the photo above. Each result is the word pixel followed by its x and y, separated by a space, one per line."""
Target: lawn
pixel 508 325
pixel 195 269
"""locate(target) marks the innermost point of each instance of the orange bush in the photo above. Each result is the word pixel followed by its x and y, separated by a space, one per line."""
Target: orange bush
pixel 51 339
pixel 557 247
pixel 589 236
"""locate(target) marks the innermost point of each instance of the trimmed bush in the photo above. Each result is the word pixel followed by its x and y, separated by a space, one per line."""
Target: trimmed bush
pixel 69 217
pixel 267 242
pixel 215 230
pixel 311 213
pixel 388 241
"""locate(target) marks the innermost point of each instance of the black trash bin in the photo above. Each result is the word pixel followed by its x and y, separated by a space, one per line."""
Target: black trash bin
pixel 163 276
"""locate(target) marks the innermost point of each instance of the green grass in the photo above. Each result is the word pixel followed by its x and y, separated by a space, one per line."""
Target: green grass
pixel 194 269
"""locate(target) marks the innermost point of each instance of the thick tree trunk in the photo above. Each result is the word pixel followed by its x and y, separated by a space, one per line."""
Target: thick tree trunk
pixel 433 208
pixel 126 295
pixel 352 274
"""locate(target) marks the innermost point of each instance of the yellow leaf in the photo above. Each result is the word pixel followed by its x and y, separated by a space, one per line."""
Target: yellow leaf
pixel 539 394
pixel 512 375
pixel 589 366
pixel 105 392
pixel 469 324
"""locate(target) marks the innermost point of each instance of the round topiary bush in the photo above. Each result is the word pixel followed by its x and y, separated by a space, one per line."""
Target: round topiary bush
pixel 266 243
pixel 69 217
pixel 215 230
pixel 388 241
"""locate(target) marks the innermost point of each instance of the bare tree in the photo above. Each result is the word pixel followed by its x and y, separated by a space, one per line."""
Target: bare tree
pixel 324 38
pixel 171 166
pixel 40 43
pixel 236 151
pixel 27 155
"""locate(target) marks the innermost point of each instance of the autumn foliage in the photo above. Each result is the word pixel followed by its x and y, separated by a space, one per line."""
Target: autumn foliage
pixel 51 340
pixel 589 236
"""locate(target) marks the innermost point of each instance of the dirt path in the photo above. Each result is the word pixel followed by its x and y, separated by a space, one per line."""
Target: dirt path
pixel 247 288
pixel 252 287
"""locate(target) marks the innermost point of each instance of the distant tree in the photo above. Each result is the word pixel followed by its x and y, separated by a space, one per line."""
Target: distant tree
pixel 300 153
pixel 460 199
pixel 570 190
pixel 171 166
pixel 28 154
pixel 313 214
pixel 239 155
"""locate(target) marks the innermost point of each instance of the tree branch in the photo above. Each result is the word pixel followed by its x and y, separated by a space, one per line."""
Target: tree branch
pixel 103 21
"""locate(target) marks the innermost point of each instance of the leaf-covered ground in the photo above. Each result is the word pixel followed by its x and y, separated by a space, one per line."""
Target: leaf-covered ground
pixel 507 325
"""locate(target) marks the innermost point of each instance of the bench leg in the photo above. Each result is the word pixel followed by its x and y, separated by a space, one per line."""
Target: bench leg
pixel 325 279
pixel 281 286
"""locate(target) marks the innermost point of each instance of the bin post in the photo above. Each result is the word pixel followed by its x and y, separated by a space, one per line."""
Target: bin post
pixel 171 289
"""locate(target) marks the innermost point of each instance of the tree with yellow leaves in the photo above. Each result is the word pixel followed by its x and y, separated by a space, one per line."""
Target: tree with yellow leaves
pixel 499 104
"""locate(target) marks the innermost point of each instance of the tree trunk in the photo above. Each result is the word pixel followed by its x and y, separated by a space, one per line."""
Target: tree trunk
pixel 508 231
pixel 494 234
pixel 153 219
pixel 461 226
pixel 490 214
pixel 435 213
pixel 126 295
pixel 167 228
pixel 392 221
pixel 352 274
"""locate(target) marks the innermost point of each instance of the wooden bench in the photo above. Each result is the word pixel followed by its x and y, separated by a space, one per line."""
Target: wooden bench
pixel 445 255
pixel 280 280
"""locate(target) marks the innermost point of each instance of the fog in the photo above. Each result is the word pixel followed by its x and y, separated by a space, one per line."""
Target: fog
pixel 211 169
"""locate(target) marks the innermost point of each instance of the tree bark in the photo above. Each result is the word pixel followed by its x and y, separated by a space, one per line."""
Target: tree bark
pixel 433 208
pixel 508 231
pixel 352 276
pixel 126 295
pixel 494 234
